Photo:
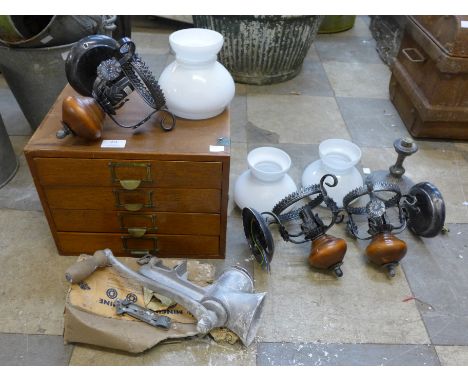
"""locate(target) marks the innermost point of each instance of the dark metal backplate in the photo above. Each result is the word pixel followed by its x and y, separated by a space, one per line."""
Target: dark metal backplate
pixel 427 218
pixel 258 236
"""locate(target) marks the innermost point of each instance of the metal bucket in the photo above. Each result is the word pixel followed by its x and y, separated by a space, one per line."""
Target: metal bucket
pixel 335 24
pixel 43 31
pixel 8 161
pixel 36 77
pixel 263 50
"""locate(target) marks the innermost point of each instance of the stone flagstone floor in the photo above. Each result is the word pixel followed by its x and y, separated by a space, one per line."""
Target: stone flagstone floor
pixel 310 318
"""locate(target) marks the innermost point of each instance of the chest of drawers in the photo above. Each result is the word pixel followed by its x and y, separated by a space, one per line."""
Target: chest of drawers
pixel 164 193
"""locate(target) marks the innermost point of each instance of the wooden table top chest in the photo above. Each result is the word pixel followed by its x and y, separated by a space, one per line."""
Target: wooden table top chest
pixel 164 193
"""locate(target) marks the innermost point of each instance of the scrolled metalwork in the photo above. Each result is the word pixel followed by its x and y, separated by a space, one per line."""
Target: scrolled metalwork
pixel 375 209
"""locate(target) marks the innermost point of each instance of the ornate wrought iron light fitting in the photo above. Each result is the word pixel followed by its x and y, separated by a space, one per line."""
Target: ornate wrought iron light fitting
pixel 327 252
pixel 108 71
pixel 422 210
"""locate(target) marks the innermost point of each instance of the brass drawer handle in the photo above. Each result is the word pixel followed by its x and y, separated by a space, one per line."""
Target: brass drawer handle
pixel 149 227
pixel 133 206
pixel 136 231
pixel 137 251
pixel 413 55
pixel 130 184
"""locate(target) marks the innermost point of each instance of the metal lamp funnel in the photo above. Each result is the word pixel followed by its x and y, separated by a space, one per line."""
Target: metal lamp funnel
pixel 234 291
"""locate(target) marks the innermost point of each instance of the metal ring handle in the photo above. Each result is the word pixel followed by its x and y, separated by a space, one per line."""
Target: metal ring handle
pixel 126 49
pixel 408 51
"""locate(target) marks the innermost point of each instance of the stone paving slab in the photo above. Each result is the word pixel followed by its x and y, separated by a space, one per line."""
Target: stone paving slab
pixel 18 142
pixel 32 282
pixel 296 118
pixel 237 167
pixel 288 354
pixel 461 174
pixel 202 351
pixel 150 42
pixel 312 54
pixel 360 49
pixel 437 271
pixel 33 350
pixel 20 193
pixel 237 249
pixel 189 352
pixel 354 79
pixel 462 146
pixel 453 355
pixel 238 117
pixel 371 122
pixel 312 80
pixel 85 355
pixel 13 118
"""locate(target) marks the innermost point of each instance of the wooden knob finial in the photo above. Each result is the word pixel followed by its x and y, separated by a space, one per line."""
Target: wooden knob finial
pixel 327 252
pixel 82 116
pixel 385 249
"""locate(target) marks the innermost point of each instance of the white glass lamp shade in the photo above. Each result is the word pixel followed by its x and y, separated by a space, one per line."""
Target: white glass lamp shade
pixel 266 182
pixel 195 85
pixel 196 44
pixel 338 157
pixel 339 154
pixel 268 163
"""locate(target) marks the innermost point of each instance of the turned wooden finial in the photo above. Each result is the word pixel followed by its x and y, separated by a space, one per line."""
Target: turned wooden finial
pixel 386 249
pixel 81 116
pixel 327 252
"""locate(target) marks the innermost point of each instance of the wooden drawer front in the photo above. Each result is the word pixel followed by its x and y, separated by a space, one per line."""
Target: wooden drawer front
pixel 157 222
pixel 167 245
pixel 106 172
pixel 150 199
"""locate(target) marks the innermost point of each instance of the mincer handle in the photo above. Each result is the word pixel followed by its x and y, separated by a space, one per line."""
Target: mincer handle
pixel 79 271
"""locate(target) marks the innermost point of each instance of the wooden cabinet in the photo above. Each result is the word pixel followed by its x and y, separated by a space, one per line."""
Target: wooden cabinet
pixel 429 82
pixel 164 193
